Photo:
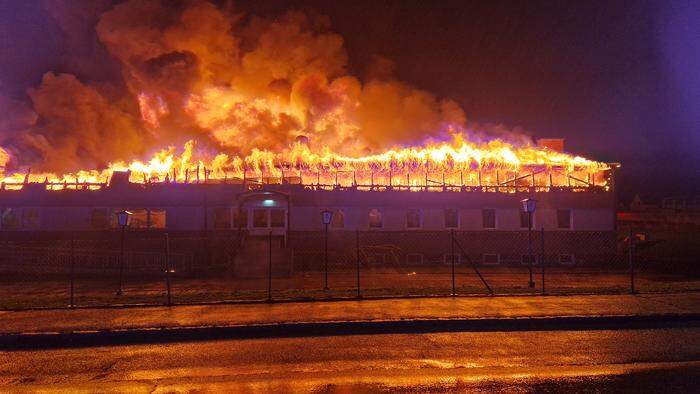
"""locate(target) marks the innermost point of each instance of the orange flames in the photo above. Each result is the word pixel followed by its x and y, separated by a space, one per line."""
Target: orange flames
pixel 440 165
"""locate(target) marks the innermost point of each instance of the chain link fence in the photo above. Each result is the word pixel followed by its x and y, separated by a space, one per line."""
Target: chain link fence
pixel 104 268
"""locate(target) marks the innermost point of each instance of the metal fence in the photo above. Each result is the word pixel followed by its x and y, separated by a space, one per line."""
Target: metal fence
pixel 87 269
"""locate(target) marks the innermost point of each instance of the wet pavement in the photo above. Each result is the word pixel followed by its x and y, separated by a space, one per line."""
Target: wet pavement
pixel 658 360
pixel 65 320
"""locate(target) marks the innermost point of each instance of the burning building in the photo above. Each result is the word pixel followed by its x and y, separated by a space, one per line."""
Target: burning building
pixel 474 190
pixel 275 131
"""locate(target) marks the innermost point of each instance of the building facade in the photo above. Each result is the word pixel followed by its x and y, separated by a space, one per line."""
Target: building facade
pixel 400 226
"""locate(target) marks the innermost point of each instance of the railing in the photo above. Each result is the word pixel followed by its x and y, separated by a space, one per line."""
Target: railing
pixel 83 269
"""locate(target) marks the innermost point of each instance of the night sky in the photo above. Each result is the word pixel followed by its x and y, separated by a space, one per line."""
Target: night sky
pixel 620 80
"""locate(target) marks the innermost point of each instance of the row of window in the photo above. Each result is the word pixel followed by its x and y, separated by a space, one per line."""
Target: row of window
pixel 18 219
pixel 102 218
pixel 226 218
pixel 451 218
pixel 98 219
pixel 263 218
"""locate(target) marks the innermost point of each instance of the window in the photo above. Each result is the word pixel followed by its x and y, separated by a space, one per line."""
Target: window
pixel 11 219
pixel 338 220
pixel 222 218
pixel 259 217
pixel 451 218
pixel 375 219
pixel 240 218
pixel 137 219
pixel 489 218
pixel 563 218
pixel 99 219
pixel 277 218
pixel 157 218
pixel 525 219
pixel 413 218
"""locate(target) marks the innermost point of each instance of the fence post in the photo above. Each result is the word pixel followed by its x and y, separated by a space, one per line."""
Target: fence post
pixel 631 258
pixel 72 269
pixel 121 262
pixel 167 269
pixel 542 256
pixel 452 247
pixel 269 267
pixel 357 257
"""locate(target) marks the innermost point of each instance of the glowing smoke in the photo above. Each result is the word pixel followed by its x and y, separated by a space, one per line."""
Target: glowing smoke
pixel 232 82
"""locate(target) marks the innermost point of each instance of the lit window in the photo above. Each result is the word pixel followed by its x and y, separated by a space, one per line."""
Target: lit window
pixel 138 218
pixel 277 218
pixel 451 218
pixel 338 220
pixel 375 219
pixel 222 218
pixel 563 218
pixel 489 218
pixel 156 218
pixel 413 218
pixel 260 218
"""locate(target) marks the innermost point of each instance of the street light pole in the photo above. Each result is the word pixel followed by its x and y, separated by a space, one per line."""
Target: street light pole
pixel 123 221
pixel 121 262
pixel 529 205
pixel 326 217
pixel 325 257
pixel 529 247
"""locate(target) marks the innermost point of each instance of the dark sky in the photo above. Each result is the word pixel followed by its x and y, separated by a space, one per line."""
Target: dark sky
pixel 620 80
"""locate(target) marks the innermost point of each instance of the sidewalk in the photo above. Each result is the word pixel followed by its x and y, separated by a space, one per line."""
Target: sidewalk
pixel 17 326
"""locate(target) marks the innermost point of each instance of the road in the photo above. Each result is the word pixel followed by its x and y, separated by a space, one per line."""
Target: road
pixel 614 360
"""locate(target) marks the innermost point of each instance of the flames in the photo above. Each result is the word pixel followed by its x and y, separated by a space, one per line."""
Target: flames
pixel 495 165
pixel 207 96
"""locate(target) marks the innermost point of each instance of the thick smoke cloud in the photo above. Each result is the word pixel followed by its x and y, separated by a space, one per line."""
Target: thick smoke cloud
pixel 195 70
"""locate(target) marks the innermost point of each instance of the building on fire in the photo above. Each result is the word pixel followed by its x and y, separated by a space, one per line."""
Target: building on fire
pixel 411 217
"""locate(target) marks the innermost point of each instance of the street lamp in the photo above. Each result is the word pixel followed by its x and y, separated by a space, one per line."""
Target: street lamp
pixel 326 217
pixel 123 221
pixel 529 205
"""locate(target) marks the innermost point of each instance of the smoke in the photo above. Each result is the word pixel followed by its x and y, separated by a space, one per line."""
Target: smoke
pixel 232 82
pixel 77 124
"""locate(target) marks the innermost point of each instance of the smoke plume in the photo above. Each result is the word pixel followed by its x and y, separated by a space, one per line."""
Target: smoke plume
pixel 194 70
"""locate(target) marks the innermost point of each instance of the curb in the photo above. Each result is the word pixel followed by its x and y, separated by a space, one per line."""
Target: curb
pixel 154 335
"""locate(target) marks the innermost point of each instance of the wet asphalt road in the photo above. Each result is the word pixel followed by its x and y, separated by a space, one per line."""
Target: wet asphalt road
pixel 655 360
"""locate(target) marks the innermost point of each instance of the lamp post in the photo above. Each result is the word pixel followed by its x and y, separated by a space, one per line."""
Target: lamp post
pixel 326 217
pixel 529 205
pixel 123 221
